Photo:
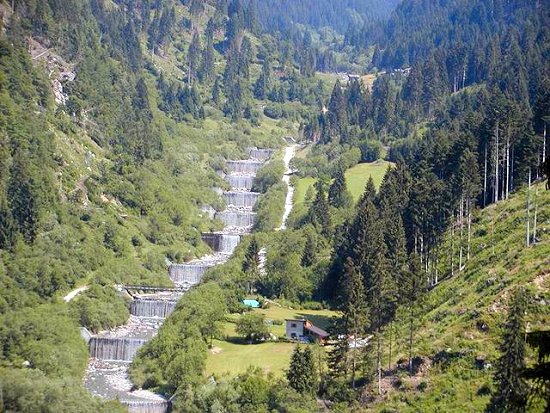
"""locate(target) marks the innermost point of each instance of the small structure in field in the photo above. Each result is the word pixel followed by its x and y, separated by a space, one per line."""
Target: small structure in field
pixel 304 330
pixel 252 303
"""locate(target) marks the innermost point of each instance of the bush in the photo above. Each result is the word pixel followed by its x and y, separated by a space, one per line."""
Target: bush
pixel 100 308
pixel 270 208
pixel 269 175
pixel 252 327
pixel 370 150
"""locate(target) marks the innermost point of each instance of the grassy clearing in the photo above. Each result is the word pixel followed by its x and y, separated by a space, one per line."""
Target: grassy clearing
pixel 230 358
pixel 356 179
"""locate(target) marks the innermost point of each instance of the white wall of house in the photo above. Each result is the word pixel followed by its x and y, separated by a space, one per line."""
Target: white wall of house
pixel 294 329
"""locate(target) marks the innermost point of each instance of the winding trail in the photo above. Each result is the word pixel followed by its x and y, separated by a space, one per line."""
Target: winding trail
pixel 74 293
pixel 290 151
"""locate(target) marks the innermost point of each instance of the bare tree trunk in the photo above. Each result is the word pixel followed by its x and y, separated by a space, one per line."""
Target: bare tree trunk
pixel 493 229
pixel 544 144
pixel 485 178
pixel 535 216
pixel 507 164
pixel 461 232
pixel 389 358
pixel 411 324
pixel 353 360
pixel 528 206
pixel 453 246
pixel 469 228
pixel 379 362
pixel 496 166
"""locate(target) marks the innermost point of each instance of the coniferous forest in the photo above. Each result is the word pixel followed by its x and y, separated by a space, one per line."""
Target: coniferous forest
pixel 378 171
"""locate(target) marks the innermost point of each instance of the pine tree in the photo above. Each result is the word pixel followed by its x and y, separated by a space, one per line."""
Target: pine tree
pixel 193 58
pixel 308 256
pixel 412 291
pixel 511 394
pixel 368 251
pixel 337 113
pixel 263 83
pixel 216 92
pixel 302 375
pixel 207 70
pixel 539 373
pixel 338 194
pixel 319 213
pixel 354 309
pixel 22 199
pixel 8 229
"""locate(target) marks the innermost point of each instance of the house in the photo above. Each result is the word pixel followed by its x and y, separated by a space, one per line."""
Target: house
pixel 304 330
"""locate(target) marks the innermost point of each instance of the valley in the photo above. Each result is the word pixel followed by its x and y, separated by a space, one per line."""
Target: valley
pixel 274 206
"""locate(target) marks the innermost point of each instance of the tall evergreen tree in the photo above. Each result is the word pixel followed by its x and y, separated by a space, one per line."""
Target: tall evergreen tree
pixel 302 374
pixel 354 310
pixel 263 83
pixel 251 264
pixel 511 393
pixel 193 58
pixel 412 289
pixel 319 213
pixel 337 113
pixel 207 69
pixel 338 194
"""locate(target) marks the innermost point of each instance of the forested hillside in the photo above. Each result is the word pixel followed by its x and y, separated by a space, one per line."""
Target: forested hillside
pixel 118 117
pixel 340 16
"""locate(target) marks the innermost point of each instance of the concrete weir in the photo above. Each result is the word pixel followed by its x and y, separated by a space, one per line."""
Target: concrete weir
pixel 220 242
pixel 240 182
pixel 111 351
pixel 146 307
pixel 241 199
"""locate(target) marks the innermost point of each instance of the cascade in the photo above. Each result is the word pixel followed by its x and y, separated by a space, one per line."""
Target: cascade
pixel 115 348
pixel 190 273
pixel 107 373
pixel 237 218
pixel 224 243
pixel 243 167
pixel 143 307
pixel 146 406
pixel 241 199
pixel 260 154
pixel 240 181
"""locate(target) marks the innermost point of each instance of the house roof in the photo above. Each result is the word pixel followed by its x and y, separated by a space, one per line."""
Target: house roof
pixel 316 330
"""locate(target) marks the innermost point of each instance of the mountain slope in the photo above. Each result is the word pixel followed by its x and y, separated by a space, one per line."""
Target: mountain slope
pixel 458 336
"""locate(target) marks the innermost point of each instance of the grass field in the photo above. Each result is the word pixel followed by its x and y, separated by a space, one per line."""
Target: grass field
pixel 231 358
pixel 356 179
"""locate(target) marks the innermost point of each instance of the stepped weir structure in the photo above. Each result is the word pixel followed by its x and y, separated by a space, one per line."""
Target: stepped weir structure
pixel 112 351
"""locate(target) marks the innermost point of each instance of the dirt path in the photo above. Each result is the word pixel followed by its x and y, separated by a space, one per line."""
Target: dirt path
pixel 289 154
pixel 74 293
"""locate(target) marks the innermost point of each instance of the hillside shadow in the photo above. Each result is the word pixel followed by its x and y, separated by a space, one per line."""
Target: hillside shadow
pixel 318 320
